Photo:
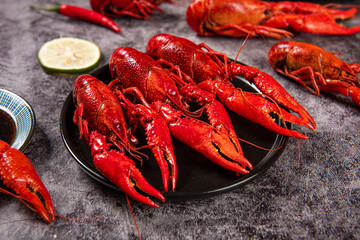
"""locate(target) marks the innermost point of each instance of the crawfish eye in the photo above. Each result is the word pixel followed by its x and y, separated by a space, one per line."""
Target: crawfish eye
pixel 332 73
pixel 342 73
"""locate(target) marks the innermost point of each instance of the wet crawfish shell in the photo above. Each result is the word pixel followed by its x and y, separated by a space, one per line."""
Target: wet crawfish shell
pixel 196 15
pixel 109 7
pixel 207 17
pixel 136 69
pixel 101 108
pixel 99 5
pixel 190 57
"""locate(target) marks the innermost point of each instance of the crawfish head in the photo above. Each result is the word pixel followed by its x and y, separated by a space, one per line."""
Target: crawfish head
pixel 18 174
pixel 136 69
pixel 98 108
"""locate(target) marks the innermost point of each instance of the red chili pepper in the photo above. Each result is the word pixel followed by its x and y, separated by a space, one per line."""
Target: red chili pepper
pixel 84 14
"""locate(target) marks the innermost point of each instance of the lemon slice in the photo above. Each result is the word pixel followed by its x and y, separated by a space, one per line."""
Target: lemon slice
pixel 69 55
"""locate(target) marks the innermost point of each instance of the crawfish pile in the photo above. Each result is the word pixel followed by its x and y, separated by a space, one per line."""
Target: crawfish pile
pixel 154 90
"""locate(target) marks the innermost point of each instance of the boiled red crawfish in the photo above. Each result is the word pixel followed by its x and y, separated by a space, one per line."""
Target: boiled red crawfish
pixel 134 8
pixel 316 69
pixel 19 175
pixel 101 120
pixel 202 64
pixel 240 18
pixel 217 141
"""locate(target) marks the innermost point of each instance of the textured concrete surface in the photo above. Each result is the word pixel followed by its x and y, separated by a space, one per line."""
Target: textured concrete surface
pixel 316 198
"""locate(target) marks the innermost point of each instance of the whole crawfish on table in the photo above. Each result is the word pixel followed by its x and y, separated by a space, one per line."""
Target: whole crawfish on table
pixel 98 109
pixel 239 18
pixel 215 76
pixel 315 68
pixel 19 175
pixel 134 8
pixel 217 141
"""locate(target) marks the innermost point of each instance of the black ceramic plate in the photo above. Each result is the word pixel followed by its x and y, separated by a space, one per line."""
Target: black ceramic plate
pixel 197 176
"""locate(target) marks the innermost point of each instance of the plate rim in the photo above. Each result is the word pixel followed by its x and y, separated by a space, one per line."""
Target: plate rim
pixel 31 115
pixel 268 160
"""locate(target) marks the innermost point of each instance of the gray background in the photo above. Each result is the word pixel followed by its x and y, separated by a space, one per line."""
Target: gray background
pixel 317 197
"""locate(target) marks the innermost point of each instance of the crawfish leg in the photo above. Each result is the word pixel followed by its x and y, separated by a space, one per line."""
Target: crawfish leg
pixel 80 122
pixel 320 84
pixel 355 67
pixel 301 75
pixel 18 173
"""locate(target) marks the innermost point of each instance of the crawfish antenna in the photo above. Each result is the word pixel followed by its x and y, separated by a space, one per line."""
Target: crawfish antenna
pixel 238 53
pixel 242 45
pixel 133 216
pixel 336 5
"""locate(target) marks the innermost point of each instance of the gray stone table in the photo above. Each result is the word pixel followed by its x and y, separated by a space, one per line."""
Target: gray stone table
pixel 314 198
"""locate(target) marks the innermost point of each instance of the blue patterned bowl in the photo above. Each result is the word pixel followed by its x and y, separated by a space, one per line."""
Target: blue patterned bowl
pixel 23 116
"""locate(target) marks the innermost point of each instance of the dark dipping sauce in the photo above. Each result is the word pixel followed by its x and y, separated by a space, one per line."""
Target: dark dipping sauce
pixel 7 127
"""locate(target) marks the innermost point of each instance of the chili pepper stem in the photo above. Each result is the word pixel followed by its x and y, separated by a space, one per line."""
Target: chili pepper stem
pixel 53 9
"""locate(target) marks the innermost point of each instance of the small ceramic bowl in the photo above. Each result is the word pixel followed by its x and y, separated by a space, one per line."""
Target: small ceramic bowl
pixel 23 116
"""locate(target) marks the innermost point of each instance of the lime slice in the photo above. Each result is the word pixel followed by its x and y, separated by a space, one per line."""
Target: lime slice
pixel 69 55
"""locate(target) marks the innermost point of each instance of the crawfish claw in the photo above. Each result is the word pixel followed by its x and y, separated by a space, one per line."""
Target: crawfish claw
pixel 213 145
pixel 159 141
pixel 157 135
pixel 272 89
pixel 261 110
pixel 204 139
pixel 121 170
pixel 354 92
pixel 255 108
pixel 18 173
